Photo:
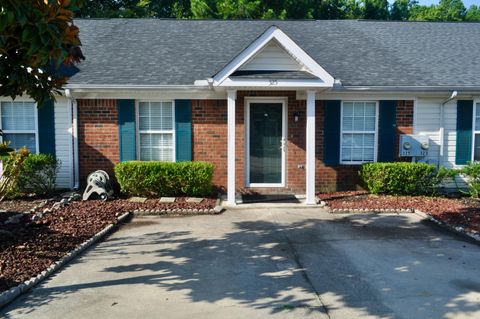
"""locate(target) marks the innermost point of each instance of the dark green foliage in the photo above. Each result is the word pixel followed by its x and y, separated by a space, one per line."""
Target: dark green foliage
pixel 376 9
pixel 38 174
pixel 471 172
pixel 5 149
pixel 446 10
pixel 156 179
pixel 400 10
pixel 401 178
pixel 473 13
pixel 37 37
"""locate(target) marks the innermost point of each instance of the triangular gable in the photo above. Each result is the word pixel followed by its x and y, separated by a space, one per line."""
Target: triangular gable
pixel 272 57
pixel 274 40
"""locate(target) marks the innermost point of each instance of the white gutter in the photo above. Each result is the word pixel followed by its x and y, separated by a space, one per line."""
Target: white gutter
pixel 408 88
pixel 74 170
pixel 121 87
pixel 441 132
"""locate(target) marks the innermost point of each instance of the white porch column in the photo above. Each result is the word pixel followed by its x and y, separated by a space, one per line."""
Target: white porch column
pixel 232 96
pixel 310 146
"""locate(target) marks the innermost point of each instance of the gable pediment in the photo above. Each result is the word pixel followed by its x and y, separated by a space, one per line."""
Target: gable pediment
pixel 272 57
pixel 274 51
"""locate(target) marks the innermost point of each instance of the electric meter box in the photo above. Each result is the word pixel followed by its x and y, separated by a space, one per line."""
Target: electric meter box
pixel 414 145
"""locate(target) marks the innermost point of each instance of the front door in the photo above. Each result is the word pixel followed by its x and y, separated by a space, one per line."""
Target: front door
pixel 266 144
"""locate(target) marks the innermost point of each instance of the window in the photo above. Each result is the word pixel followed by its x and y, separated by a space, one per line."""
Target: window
pixel 358 132
pixel 18 122
pixel 156 128
pixel 476 133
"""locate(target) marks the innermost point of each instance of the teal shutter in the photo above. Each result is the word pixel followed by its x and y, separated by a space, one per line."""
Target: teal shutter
pixel 126 130
pixel 331 141
pixel 46 128
pixel 183 130
pixel 387 131
pixel 464 132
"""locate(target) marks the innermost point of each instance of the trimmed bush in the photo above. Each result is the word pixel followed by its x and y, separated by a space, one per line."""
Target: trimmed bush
pixel 12 168
pixel 38 174
pixel 401 178
pixel 156 179
pixel 472 176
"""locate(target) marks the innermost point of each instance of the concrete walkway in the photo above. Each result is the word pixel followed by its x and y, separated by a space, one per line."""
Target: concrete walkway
pixel 281 263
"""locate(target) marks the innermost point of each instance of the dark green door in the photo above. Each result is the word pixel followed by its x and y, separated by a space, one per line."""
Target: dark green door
pixel 265 143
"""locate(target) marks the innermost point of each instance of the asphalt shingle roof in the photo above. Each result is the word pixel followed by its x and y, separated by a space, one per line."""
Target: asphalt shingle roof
pixel 359 53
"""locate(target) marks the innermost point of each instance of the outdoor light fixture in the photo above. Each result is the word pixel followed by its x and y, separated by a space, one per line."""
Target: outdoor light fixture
pixel 295 116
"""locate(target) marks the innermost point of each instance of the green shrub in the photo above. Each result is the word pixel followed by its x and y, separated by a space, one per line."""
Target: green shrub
pixel 401 178
pixel 472 173
pixel 38 174
pixel 5 150
pixel 156 179
pixel 12 165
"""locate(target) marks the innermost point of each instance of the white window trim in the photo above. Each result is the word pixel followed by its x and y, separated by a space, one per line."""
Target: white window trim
pixel 474 114
pixel 375 146
pixel 34 131
pixel 138 132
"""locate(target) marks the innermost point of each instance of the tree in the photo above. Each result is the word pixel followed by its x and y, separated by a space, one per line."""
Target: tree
pixel 39 45
pixel 239 9
pixel 401 9
pixel 332 9
pixel 203 9
pixel 354 9
pixel 451 10
pixel 376 9
pixel 423 13
pixel 473 13
pixel 100 9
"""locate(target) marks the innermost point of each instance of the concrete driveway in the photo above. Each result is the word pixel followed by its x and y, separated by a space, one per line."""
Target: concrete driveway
pixel 282 263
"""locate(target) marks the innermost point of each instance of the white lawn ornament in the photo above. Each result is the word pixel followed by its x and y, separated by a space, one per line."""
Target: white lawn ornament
pixel 98 183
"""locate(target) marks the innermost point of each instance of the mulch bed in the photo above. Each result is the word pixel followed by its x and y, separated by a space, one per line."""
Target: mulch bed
pixel 463 212
pixel 27 248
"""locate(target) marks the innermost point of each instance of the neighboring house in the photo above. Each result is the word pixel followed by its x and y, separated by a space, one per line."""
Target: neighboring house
pixel 277 106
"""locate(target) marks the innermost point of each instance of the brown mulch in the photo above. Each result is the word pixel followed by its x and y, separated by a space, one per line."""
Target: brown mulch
pixel 464 212
pixel 23 205
pixel 27 248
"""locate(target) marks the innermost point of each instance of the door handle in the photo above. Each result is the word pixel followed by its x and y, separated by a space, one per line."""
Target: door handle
pixel 283 144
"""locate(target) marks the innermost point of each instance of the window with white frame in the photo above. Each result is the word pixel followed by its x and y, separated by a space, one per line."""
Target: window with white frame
pixel 156 131
pixel 476 133
pixel 358 132
pixel 18 123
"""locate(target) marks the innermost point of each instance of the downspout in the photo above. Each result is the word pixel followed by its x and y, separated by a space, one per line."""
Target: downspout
pixel 74 112
pixel 441 132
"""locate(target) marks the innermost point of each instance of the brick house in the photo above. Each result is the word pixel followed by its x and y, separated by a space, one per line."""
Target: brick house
pixel 283 106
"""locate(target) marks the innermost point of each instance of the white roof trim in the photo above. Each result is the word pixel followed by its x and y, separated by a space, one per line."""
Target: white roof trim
pixel 280 83
pixel 287 43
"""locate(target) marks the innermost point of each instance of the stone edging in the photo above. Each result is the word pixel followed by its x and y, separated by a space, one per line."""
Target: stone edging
pixel 181 211
pixel 365 211
pixel 8 296
pixel 458 229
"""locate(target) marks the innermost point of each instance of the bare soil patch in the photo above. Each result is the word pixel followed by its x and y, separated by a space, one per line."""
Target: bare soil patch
pixel 463 212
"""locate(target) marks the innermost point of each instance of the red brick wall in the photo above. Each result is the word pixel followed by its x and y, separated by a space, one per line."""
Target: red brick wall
pixel 329 178
pixel 98 139
pixel 209 128
pixel 97 136
pixel 346 177
pixel 404 123
pixel 209 133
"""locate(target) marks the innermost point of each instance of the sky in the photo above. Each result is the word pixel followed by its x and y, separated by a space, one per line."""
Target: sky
pixel 467 3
